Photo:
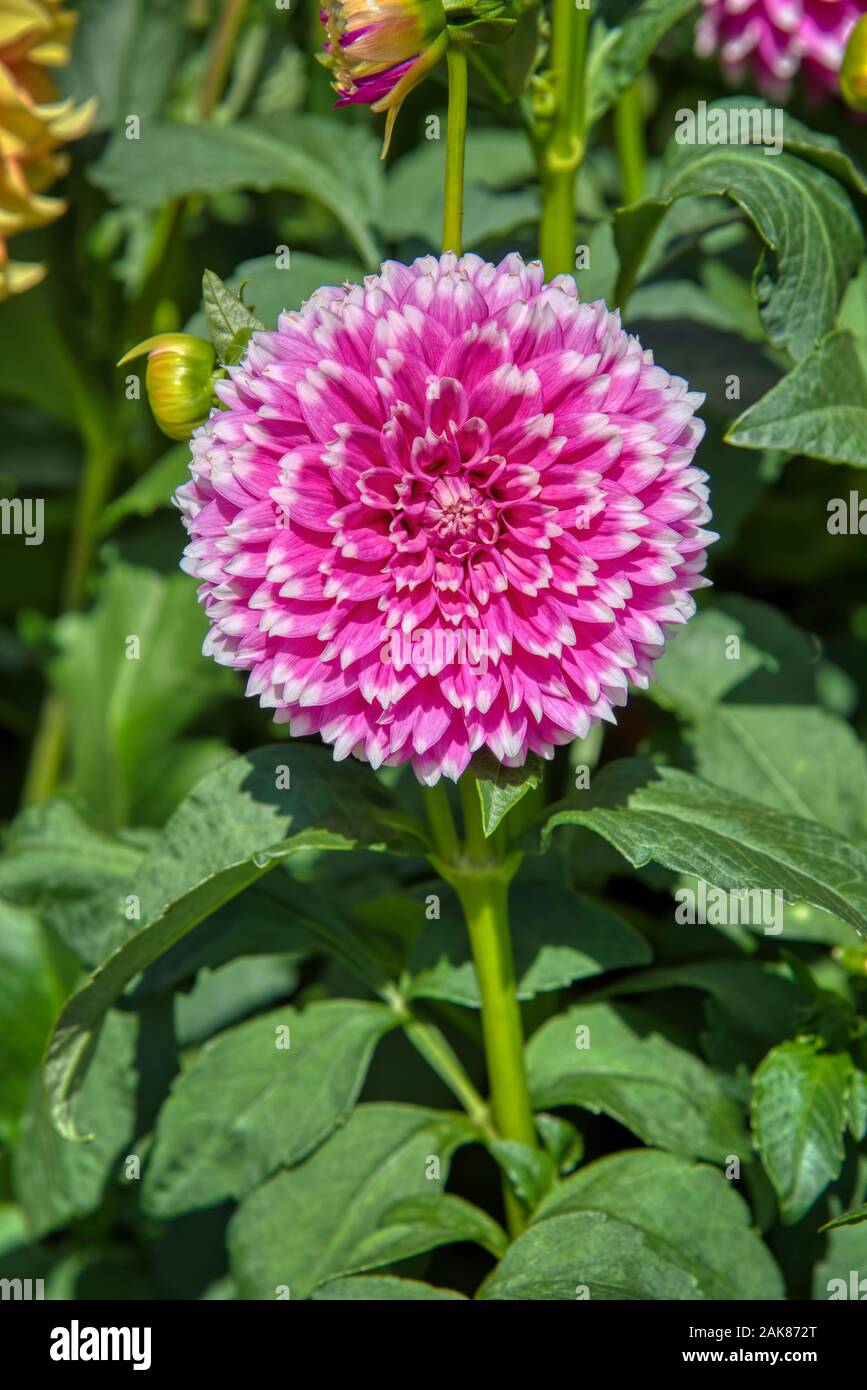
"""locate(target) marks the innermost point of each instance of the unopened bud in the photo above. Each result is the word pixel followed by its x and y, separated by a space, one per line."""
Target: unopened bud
pixel 179 380
pixel 853 73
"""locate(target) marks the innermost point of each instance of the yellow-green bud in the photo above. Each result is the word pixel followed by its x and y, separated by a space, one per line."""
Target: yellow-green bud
pixel 853 73
pixel 179 380
pixel 852 958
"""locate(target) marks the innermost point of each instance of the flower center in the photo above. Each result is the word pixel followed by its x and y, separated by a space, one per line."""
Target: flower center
pixel 458 517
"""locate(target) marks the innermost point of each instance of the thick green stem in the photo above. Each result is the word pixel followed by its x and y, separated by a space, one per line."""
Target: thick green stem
pixel 484 898
pixel 629 138
pixel 562 149
pixel 456 140
pixel 481 880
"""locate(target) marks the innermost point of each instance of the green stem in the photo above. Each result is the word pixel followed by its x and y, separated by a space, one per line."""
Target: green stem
pixel 96 482
pixel 456 139
pixel 629 139
pixel 101 453
pixel 481 880
pixel 562 150
pixel 484 898
pixel 46 752
pixel 220 55
pixel 427 1039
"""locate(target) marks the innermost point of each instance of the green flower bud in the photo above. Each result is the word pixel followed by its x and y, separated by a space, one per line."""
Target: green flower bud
pixel 852 958
pixel 853 73
pixel 179 380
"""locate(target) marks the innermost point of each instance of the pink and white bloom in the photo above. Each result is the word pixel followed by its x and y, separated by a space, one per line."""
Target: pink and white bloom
pixel 773 41
pixel 453 448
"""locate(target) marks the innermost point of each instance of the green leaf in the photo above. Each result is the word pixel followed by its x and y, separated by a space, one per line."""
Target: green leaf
pixel 839 1273
pixel 230 322
pixel 773 754
pixel 620 54
pixel 817 409
pixel 71 874
pixel 153 490
pixel 500 788
pixel 675 300
pixel 30 995
pixel 820 149
pixel 57 1181
pixel 305 1226
pixel 664 815
pixel 638 1225
pixel 562 1141
pixel 418 1224
pixel 169 775
pixel 269 288
pixel 223 997
pixel 42 369
pixel 530 1171
pixel 856 1106
pixel 629 1070
pixel 750 999
pixel 126 702
pixel 250 1102
pixel 559 937
pixel 313 156
pixel 234 826
pixel 848 1218
pixel 771 663
pixel 125 54
pixel 383 1288
pixel 802 215
pixel 255 923
pixel 798 1115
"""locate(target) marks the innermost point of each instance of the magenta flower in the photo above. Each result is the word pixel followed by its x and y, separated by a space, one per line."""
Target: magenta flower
pixel 773 40
pixel 450 509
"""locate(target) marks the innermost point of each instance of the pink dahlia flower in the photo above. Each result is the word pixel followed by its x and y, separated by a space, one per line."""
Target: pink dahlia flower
pixel 773 40
pixel 449 509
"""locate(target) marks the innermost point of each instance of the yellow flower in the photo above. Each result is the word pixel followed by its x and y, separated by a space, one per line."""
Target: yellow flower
pixel 34 37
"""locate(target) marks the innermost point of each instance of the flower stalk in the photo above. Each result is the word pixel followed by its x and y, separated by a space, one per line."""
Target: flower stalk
pixel 560 147
pixel 456 142
pixel 629 140
pixel 480 876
